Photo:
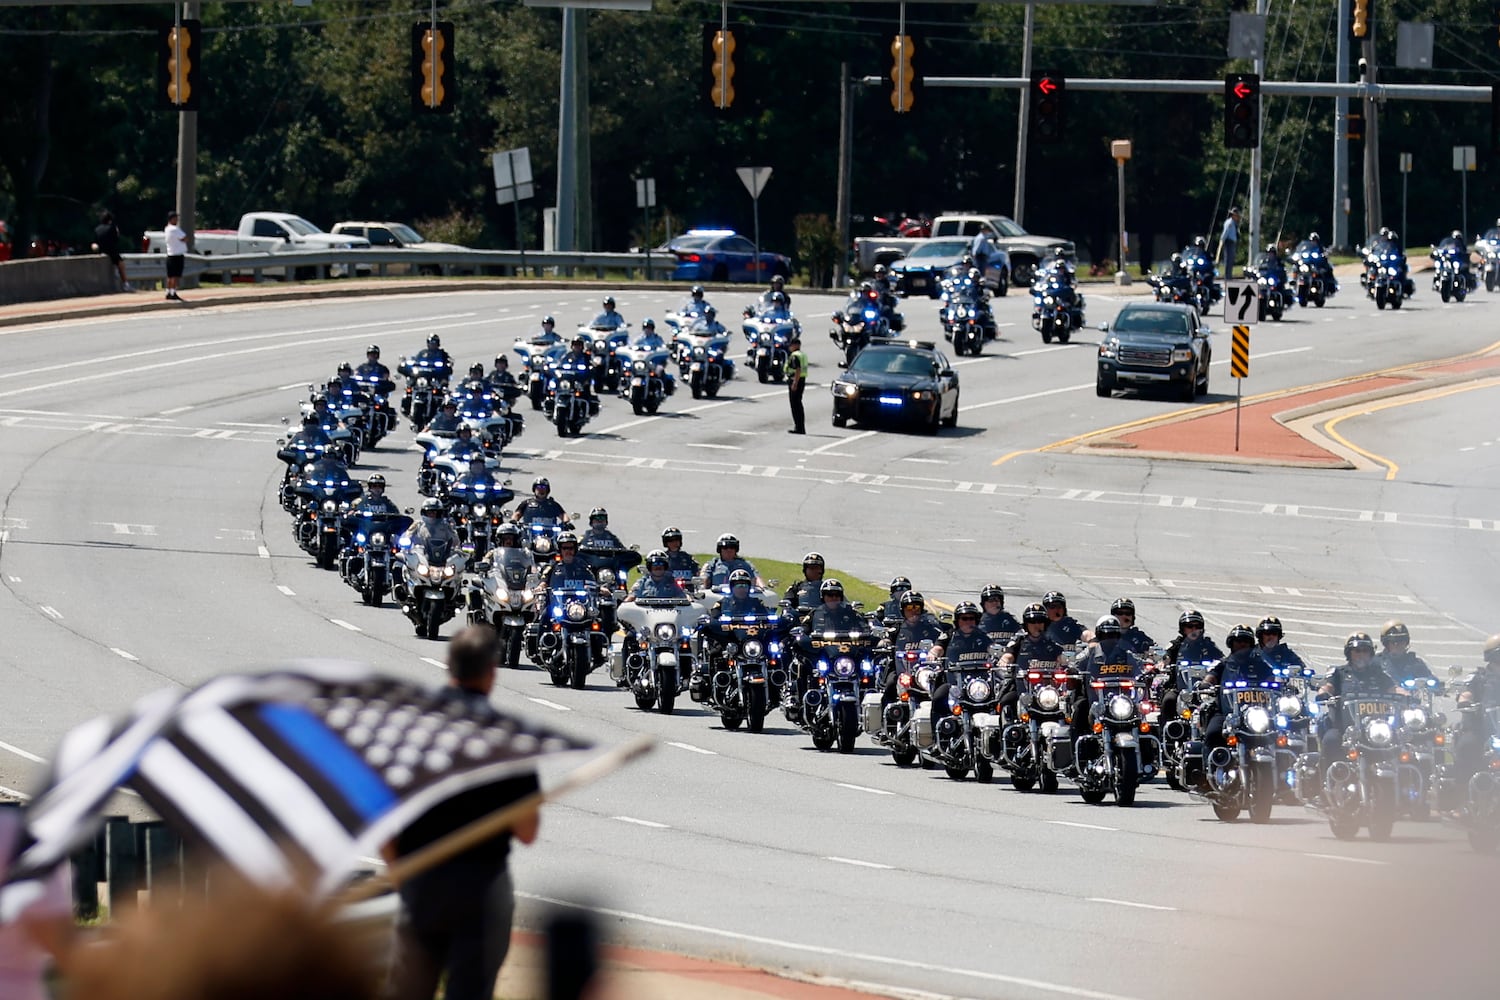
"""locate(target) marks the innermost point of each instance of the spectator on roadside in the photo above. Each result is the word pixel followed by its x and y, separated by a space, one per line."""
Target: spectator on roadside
pixel 982 249
pixel 456 917
pixel 177 248
pixel 43 927
pixel 107 241
pixel 1229 240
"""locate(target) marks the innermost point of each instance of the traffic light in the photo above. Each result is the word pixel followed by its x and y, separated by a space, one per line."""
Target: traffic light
pixel 1047 94
pixel 179 51
pixel 1359 20
pixel 1241 111
pixel 432 84
pixel 902 49
pixel 1354 125
pixel 719 46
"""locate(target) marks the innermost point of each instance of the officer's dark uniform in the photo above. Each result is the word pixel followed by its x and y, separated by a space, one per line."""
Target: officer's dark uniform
pixel 963 654
pixel 1066 631
pixel 718 569
pixel 1090 665
pixel 730 607
pixel 680 562
pixel 1025 650
pixel 1244 665
pixel 1404 666
pixel 531 508
pixel 1283 656
pixel 804 594
pixel 1197 650
pixel 1137 641
pixel 1349 682
pixel 910 635
pixel 444 423
pixel 1474 736
pixel 1000 623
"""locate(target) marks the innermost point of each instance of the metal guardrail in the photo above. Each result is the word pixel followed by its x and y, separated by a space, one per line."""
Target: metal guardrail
pixel 294 265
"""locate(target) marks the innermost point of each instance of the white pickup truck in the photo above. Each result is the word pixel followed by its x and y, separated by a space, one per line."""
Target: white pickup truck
pixel 262 232
pixel 1025 249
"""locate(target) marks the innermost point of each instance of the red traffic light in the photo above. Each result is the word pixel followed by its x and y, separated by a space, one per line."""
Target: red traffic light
pixel 1046 85
pixel 1242 89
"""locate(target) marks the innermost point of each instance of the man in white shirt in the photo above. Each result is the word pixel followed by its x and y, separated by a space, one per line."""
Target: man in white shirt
pixel 177 248
pixel 982 248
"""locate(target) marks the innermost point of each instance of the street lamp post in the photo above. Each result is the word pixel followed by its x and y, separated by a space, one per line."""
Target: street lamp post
pixel 1120 150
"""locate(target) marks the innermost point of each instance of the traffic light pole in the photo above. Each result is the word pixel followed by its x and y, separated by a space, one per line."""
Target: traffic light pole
pixel 1340 215
pixel 1253 247
pixel 567 135
pixel 187 150
pixel 1372 138
pixel 846 172
pixel 1023 122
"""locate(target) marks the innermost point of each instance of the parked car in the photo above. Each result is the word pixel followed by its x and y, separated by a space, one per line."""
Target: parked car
pixel 396 236
pixel 722 255
pixel 262 232
pixel 1024 249
pixel 5 249
pixel 920 272
pixel 1155 345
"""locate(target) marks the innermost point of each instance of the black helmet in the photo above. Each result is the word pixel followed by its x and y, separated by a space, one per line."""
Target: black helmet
pixel 710 312
pixel 434 341
pixel 609 302
pixel 913 598
pixel 780 279
pixel 1492 649
pixel 899 584
pixel 697 292
pixel 432 506
pixel 1057 252
pixel 1240 633
pixel 567 538
pixel 373 349
pixel 346 369
pixel 1314 238
pixel 1109 626
pixel 548 321
pixel 813 559
pixel 650 324
pixel 1122 605
pixel 831 586
pixel 879 269
pixel 459 430
pixel 1270 248
pixel 541 483
pixel 1054 597
pixel 726 541
pixel 449 402
pixel 578 338
pixel 1393 631
pixel 1033 613
pixel 671 534
pixel 657 557
pixel 1269 625
pixel 508 529
pixel 993 592
pixel 374 481
pixel 742 578
pixel 1456 235
pixel 599 514
pixel 476 369
pixel 1177 258
pixel 1190 619
pixel 309 420
pixel 1359 640
pixel 967 609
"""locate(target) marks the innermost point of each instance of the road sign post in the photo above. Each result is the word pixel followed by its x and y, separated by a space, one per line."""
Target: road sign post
pixel 645 200
pixel 1120 150
pixel 754 179
pixel 513 182
pixel 1239 370
pixel 1463 162
pixel 1241 305
pixel 1405 163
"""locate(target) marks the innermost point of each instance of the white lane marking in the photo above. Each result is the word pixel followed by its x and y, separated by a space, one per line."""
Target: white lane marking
pixel 820 449
pixel 15 793
pixel 863 788
pixel 1041 350
pixel 858 863
pixel 1083 826
pixel 23 753
pixel 1037 985
pixel 50 612
pixel 263 552
pixel 719 447
pixel 549 704
pixel 14 579
pixel 641 822
pixel 1340 857
pixel 288 591
pixel 1030 395
pixel 129 529
pixel 745 433
pixel 436 663
pixel 1267 354
pixel 124 655
pixel 927 461
pixel 236 423
pixel 689 747
pixel 175 410
pixel 1132 905
pixel 343 624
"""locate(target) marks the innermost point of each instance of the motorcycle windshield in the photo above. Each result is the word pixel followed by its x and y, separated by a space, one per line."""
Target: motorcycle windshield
pixel 392 525
pixel 438 550
pixel 514 567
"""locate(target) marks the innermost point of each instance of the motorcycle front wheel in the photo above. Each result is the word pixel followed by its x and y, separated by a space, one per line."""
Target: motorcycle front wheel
pixel 1127 777
pixel 1262 792
pixel 755 709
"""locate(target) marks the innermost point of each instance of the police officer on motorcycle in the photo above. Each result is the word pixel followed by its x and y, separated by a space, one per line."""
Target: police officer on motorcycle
pixel 372 368
pixel 677 560
pixel 539 504
pixel 478 485
pixel 804 594
pixel 657 582
pixel 778 284
pixel 649 338
pixel 474 381
pixel 1062 628
pixel 547 335
pixel 1131 637
pixel 1268 639
pixel 966 649
pixel 567 570
pixel 1107 649
pixel 501 378
pixel 598 535
pixel 716 573
pixel 890 611
pixel 1031 645
pixel 1243 663
pixel 738 603
pixel 1359 675
pixel 608 319
pixel 996 621
pixel 1480 693
pixel 432 528
pixel 695 305
pixel 447 420
pixel 1396 657
pixel 916 627
pixel 433 356
pixel 1190 646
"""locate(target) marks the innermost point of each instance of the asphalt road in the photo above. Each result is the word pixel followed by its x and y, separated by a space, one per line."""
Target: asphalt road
pixel 144 547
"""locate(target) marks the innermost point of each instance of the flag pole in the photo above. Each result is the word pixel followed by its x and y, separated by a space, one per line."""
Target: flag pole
pixel 498 822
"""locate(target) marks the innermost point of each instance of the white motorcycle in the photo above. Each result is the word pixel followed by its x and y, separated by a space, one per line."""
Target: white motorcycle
pixel 427 583
pixel 657 655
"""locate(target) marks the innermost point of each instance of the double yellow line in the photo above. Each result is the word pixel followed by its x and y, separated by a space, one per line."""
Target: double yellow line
pixel 1391 468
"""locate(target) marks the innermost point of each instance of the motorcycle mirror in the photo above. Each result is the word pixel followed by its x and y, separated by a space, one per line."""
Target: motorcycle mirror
pixel 284 420
pixel 773 583
pixel 573 516
pixel 1103 327
pixel 410 510
pixel 1455 672
pixel 946 617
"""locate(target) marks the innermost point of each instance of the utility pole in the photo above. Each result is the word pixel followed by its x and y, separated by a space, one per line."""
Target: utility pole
pixel 187 149
pixel 583 237
pixel 1340 217
pixel 567 135
pixel 846 173
pixel 1372 137
pixel 1255 161
pixel 1023 123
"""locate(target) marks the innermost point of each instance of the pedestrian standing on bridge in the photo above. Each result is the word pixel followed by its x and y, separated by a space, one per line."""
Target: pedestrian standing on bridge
pixel 796 381
pixel 1229 241
pixel 177 248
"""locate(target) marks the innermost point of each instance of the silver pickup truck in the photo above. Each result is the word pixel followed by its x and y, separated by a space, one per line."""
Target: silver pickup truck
pixel 1024 248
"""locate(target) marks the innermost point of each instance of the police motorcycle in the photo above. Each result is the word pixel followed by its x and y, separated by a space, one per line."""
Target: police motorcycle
pixel 1361 784
pixel 767 337
pixel 645 381
pixel 966 317
pixel 1480 816
pixel 603 346
pixel 1056 306
pixel 1171 285
pixel 657 656
pixel 427 378
pixel 1036 747
pixel 904 722
pixel 1273 291
pixel 1451 276
pixel 323 501
pixel 1181 742
pixel 749 678
pixel 428 582
pixel 1112 759
pixel 537 362
pixel 968 737
pixel 1312 279
pixel 1385 275
pixel 841 668
pixel 1296 710
pixel 568 639
pixel 860 322
pixel 489 413
pixel 502 591
pixel 568 404
pixel 707 366
pixel 441 465
pixel 346 439
pixel 369 551
pixel 477 513
pixel 1242 776
pixel 382 415
pixel 1422 737
pixel 540 535
pixel 350 406
pixel 1200 266
pixel 1488 248
pixel 296 452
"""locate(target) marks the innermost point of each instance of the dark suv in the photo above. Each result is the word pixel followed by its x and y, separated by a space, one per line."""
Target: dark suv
pixel 1155 344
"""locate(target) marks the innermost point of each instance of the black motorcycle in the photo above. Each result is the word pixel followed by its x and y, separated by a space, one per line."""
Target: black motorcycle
pixel 840 668
pixel 1242 775
pixel 1359 786
pixel 1111 759
pixel 1272 289
pixel 569 639
pixel 967 737
pixel 1036 745
pixel 369 552
pixel 747 680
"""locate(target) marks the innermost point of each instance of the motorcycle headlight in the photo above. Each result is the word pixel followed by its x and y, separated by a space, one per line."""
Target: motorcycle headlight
pixel 1048 300
pixel 565 384
pixel 1415 718
pixel 1495 742
pixel 698 353
pixel 1378 732
pixel 448 572
pixel 424 570
pixel 666 631
pixel 640 367
pixel 378 538
pixel 330 505
pixel 1121 708
pixel 753 648
pixel 360 537
pixel 1289 705
pixel 977 690
pixel 1047 699
pixel 844 666
pixel 606 577
pixel 766 338
pixel 575 611
pixel 544 544
pixel 480 510
pixel 1257 719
